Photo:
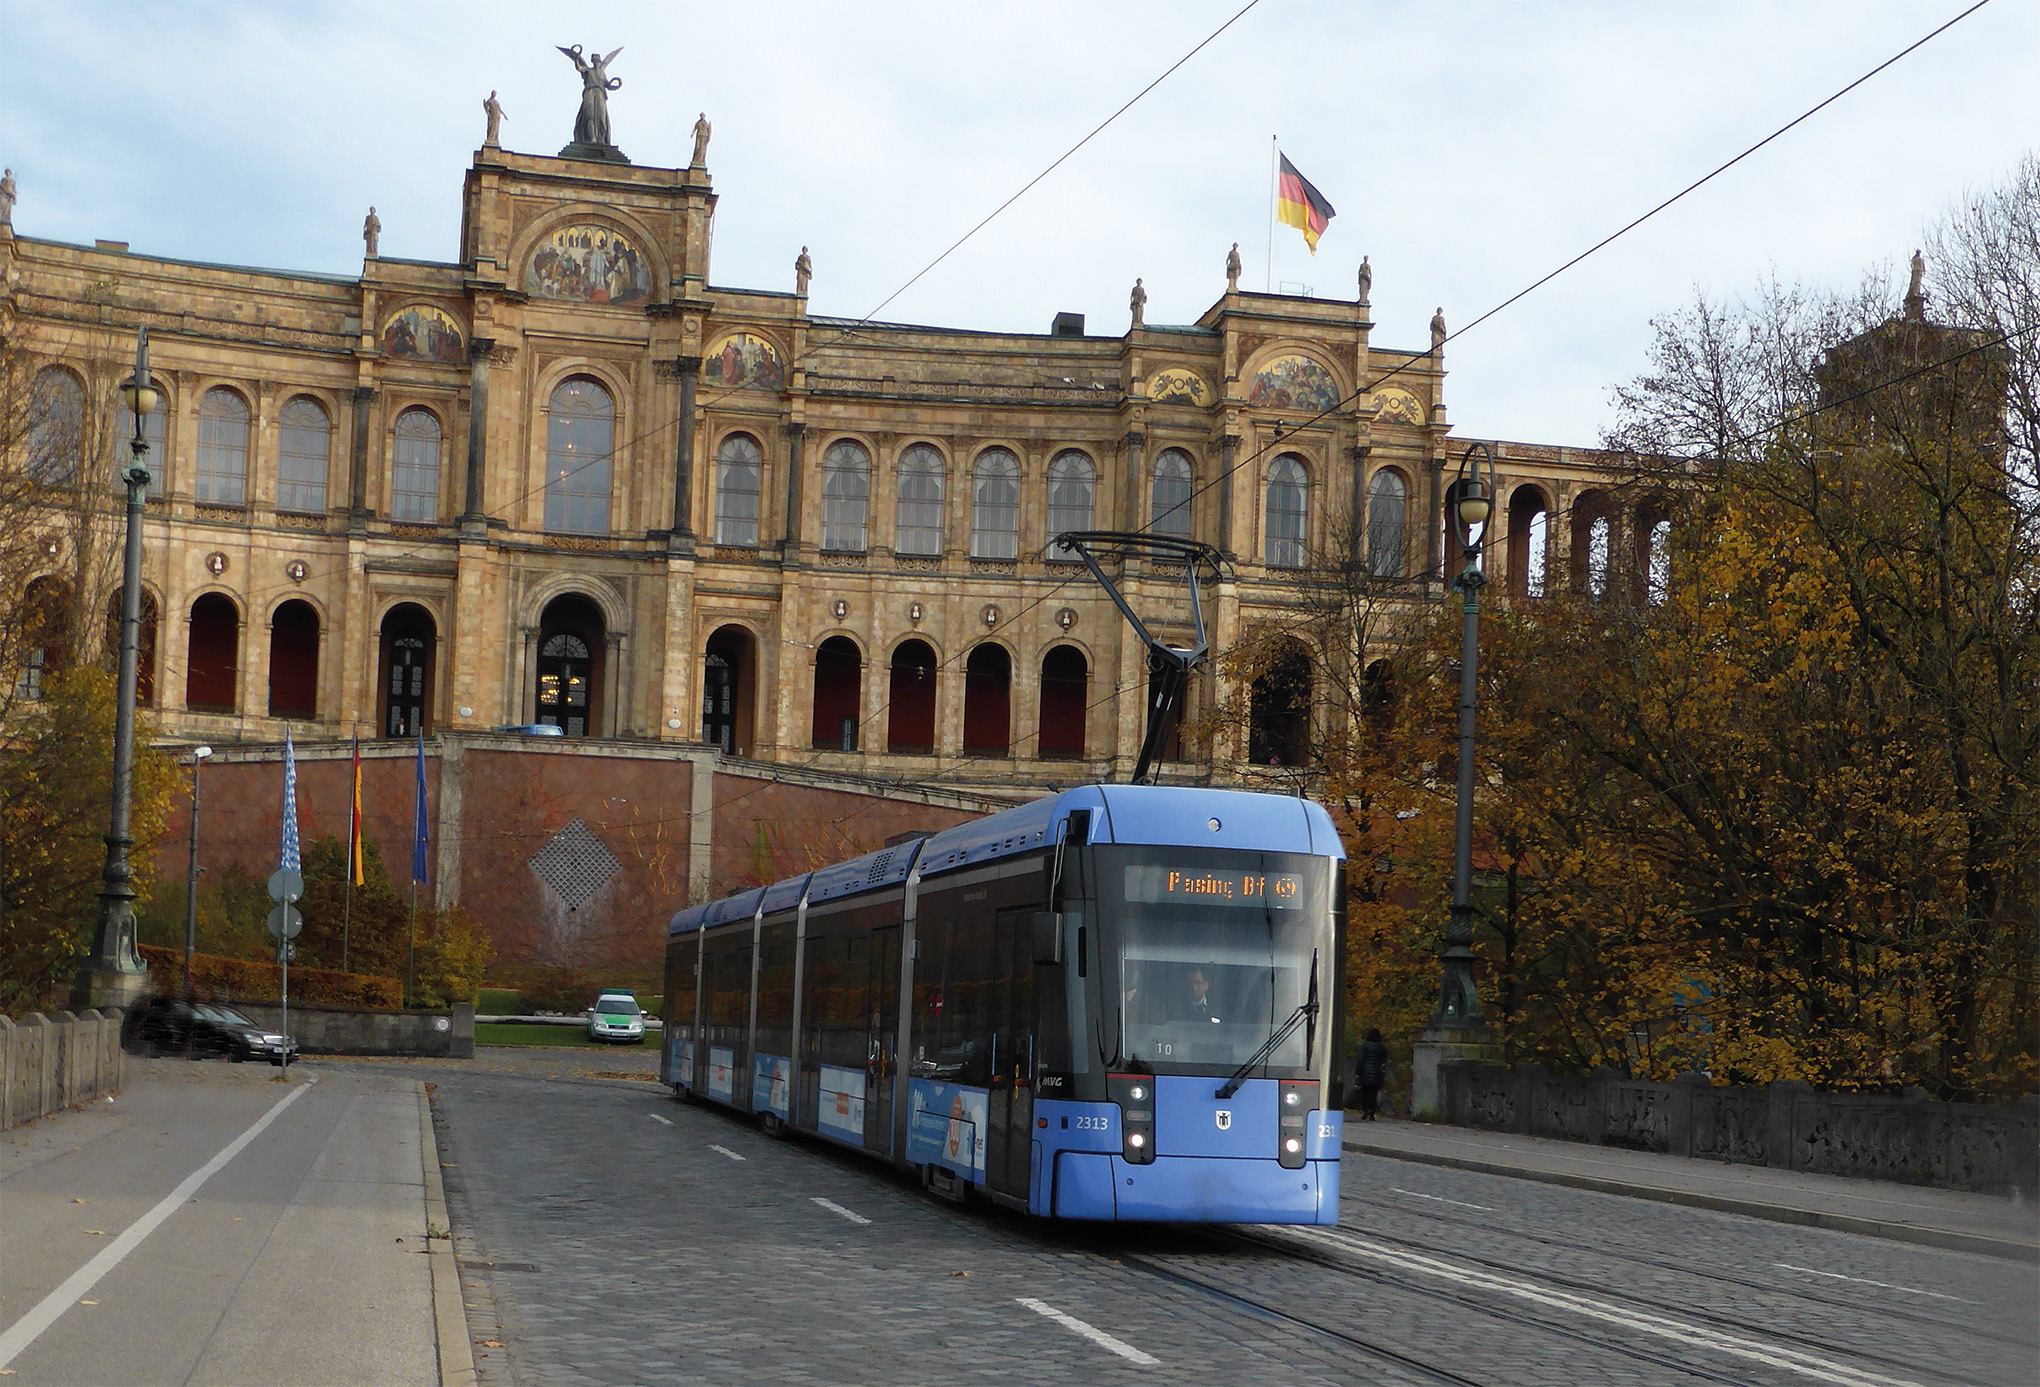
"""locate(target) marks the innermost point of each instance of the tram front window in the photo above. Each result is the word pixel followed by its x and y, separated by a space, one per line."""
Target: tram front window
pixel 1210 953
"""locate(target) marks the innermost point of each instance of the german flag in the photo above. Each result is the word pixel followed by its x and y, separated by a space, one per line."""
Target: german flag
pixel 1299 205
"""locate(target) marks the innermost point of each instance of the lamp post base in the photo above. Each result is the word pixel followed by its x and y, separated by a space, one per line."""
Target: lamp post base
pixel 104 988
pixel 1438 1046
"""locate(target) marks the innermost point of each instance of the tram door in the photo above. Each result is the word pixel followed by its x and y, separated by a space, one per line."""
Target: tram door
pixel 1010 1110
pixel 882 1038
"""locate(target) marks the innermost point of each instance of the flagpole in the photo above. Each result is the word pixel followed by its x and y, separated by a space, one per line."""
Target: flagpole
pixel 411 949
pixel 1274 186
pixel 353 830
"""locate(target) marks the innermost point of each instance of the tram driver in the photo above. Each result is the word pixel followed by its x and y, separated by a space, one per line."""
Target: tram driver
pixel 1196 1002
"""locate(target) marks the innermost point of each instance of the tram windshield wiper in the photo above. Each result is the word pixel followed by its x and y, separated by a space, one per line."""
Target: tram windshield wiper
pixel 1307 1012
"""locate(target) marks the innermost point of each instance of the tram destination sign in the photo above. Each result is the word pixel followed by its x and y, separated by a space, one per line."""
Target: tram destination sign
pixel 1213 886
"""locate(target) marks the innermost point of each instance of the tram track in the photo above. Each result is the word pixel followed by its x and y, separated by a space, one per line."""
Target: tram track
pixel 1325 1259
pixel 1489 1231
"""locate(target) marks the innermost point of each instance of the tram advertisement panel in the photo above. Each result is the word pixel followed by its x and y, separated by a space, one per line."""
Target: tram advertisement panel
pixel 681 1064
pixel 946 1126
pixel 721 1083
pixel 771 1084
pixel 842 1113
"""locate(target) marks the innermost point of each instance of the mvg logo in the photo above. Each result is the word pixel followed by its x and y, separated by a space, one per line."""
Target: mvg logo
pixel 1224 1117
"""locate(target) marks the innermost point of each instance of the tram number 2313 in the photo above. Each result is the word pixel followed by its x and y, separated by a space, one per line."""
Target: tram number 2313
pixel 1097 1124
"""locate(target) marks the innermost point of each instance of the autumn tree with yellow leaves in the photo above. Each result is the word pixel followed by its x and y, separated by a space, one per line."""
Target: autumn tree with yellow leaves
pixel 1767 809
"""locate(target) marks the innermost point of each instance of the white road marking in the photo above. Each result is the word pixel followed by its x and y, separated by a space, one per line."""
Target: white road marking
pixel 1091 1332
pixel 51 1307
pixel 833 1207
pixel 727 1152
pixel 1860 1281
pixel 1419 1194
pixel 656 1118
pixel 1627 1317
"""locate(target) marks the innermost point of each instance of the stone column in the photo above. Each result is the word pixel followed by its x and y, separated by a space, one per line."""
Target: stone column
pixel 357 483
pixel 796 454
pixel 681 537
pixel 1228 459
pixel 449 815
pixel 527 676
pixel 474 516
pixel 617 659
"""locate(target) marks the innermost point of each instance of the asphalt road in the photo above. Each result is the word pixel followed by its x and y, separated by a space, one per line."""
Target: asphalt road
pixel 609 1234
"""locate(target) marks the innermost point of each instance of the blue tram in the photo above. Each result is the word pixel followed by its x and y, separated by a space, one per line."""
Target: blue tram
pixel 1119 1002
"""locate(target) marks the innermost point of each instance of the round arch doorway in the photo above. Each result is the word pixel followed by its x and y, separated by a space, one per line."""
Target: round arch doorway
pixel 572 640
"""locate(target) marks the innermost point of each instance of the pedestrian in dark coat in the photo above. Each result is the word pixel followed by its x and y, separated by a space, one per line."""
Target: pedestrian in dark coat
pixel 1370 1067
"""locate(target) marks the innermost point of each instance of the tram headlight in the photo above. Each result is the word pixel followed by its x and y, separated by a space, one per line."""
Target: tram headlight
pixel 1137 1092
pixel 1292 1099
pixel 1136 1141
pixel 1292 1146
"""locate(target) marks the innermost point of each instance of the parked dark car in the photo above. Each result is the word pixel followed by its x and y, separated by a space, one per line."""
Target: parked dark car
pixel 203 1029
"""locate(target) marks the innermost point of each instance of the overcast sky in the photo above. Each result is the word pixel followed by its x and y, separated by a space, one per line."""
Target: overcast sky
pixel 1468 148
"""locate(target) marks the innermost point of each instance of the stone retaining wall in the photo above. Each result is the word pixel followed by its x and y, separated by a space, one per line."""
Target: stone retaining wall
pixel 1912 1139
pixel 326 1030
pixel 46 1065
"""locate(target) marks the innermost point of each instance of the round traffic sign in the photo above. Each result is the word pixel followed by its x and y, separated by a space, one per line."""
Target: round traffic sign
pixel 286 886
pixel 285 921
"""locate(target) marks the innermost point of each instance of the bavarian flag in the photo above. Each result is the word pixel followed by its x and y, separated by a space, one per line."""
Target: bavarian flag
pixel 1299 205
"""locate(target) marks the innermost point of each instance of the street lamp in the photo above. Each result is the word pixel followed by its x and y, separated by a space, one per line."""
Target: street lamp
pixel 198 756
pixel 114 975
pixel 1455 1031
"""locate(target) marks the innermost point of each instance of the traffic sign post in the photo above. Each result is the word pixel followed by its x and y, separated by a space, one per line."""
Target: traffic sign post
pixel 286 888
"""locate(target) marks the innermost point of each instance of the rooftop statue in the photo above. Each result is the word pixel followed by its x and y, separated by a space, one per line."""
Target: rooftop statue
pixel 1232 268
pixel 591 125
pixel 1137 301
pixel 1366 282
pixel 494 110
pixel 6 197
pixel 702 130
pixel 371 232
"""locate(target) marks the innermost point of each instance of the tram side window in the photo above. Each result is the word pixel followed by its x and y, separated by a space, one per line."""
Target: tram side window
pixel 679 1002
pixel 953 1001
pixel 730 1004
pixel 775 992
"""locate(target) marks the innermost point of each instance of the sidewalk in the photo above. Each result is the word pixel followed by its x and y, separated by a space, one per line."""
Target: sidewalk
pixel 211 1225
pixel 1991 1224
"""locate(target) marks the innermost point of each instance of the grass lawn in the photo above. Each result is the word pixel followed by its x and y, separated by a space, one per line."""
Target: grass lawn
pixel 493 1033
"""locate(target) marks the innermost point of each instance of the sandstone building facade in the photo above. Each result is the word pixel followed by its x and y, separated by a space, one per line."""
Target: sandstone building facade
pixel 564 478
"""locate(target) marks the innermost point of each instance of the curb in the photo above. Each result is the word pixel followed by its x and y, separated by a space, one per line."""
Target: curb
pixel 1775 1213
pixel 449 1320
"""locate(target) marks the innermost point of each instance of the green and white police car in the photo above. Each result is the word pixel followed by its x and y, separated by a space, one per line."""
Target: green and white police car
pixel 616 1016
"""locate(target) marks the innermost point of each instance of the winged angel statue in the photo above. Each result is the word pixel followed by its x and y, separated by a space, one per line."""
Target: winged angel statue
pixel 591 126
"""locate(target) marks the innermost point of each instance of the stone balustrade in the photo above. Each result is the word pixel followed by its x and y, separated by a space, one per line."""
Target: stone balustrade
pixel 47 1065
pixel 1908 1138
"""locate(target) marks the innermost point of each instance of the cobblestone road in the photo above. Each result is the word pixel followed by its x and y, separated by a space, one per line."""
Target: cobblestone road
pixel 612 1235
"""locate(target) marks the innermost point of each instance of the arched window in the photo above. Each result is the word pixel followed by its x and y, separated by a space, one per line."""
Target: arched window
pixel 56 426
pixel 414 472
pixel 572 639
pixel 213 655
pixel 1388 525
pixel 839 674
pixel 995 506
pixel 846 496
pixel 145 643
pixel 303 448
pixel 1065 697
pixel 739 480
pixel 1169 500
pixel 120 440
pixel 1529 532
pixel 920 513
pixel 45 632
pixel 294 661
pixel 1278 712
pixel 222 449
pixel 1072 493
pixel 988 701
pixel 727 681
pixel 1288 512
pixel 410 643
pixel 1599 534
pixel 1658 561
pixel 910 697
pixel 580 437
